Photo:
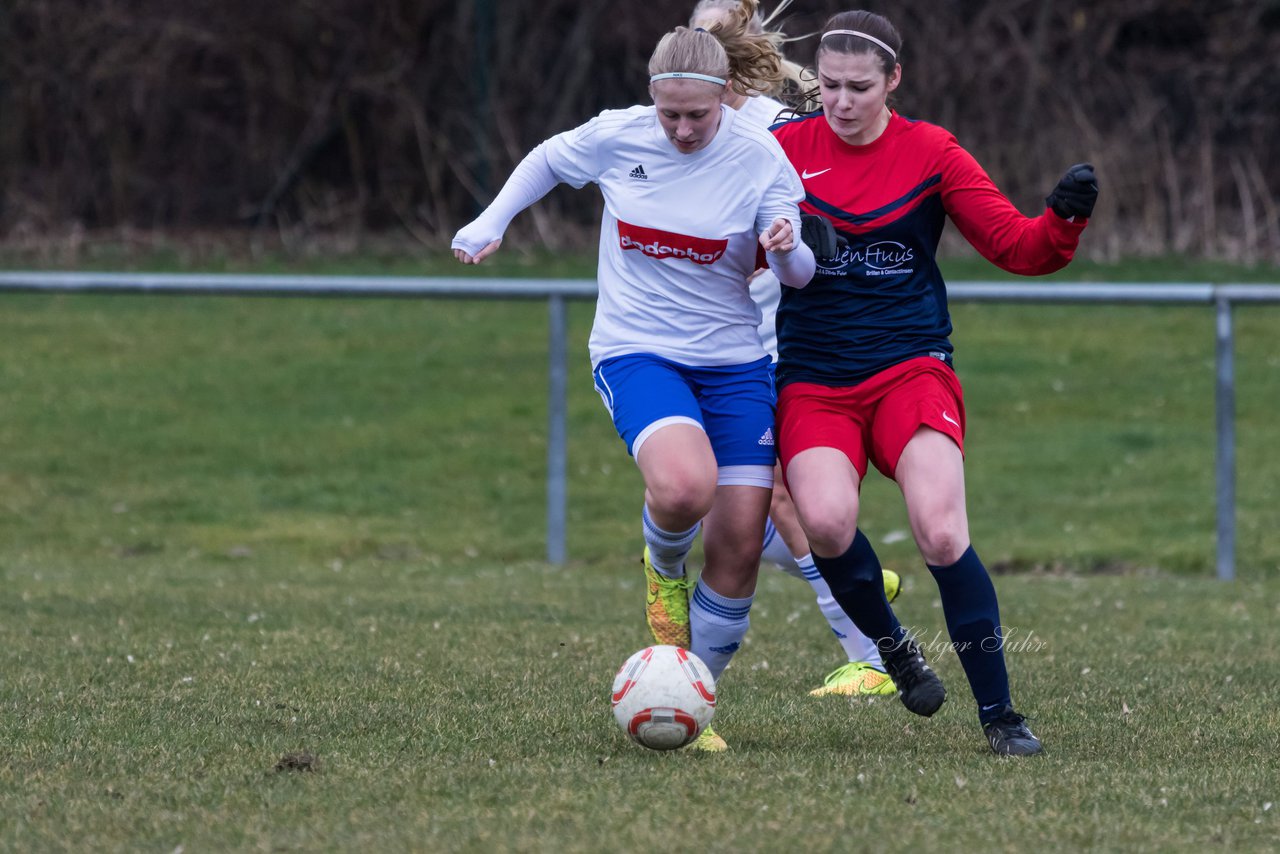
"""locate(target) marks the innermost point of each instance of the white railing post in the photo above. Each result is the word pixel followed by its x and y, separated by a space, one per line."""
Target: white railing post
pixel 1225 411
pixel 557 432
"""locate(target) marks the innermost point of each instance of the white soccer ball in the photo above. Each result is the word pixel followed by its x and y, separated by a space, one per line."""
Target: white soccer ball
pixel 663 697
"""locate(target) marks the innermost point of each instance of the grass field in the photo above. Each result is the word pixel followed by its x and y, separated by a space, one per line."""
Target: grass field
pixel 233 530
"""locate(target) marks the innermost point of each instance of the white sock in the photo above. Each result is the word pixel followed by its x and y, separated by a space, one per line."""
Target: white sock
pixel 667 550
pixel 776 552
pixel 856 645
pixel 718 624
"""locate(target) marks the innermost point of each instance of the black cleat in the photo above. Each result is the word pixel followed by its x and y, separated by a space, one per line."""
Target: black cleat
pixel 919 687
pixel 1009 736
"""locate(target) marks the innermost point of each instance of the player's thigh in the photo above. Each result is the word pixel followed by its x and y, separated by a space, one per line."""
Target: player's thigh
pixel 679 468
pixel 824 485
pixel 737 404
pixel 655 410
pixel 918 393
pixel 812 416
pixel 822 451
pixel 644 393
pixel 930 474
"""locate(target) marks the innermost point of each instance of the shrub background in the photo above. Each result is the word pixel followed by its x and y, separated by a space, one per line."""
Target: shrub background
pixel 343 116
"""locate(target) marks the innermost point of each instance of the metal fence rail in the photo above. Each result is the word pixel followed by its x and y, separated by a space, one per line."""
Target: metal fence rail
pixel 558 291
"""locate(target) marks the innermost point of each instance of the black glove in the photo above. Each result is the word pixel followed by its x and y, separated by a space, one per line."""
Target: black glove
pixel 1075 193
pixel 820 236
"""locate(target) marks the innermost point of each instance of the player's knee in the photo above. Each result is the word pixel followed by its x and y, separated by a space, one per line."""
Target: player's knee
pixel 829 534
pixel 943 545
pixel 682 495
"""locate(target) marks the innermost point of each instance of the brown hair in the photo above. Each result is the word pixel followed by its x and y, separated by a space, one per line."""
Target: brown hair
pixel 862 22
pixel 712 15
pixel 750 61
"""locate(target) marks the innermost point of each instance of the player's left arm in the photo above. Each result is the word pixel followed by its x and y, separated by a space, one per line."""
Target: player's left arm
pixel 778 222
pixel 789 259
pixel 1029 246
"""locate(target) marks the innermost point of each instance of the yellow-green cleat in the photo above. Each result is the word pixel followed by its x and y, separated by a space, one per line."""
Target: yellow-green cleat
pixel 709 742
pixel 858 678
pixel 666 607
pixel 892 584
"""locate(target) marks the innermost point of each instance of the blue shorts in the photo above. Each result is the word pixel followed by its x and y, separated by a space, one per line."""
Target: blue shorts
pixel 733 404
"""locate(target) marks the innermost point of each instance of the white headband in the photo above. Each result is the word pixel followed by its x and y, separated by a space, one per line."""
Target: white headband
pixel 687 75
pixel 892 54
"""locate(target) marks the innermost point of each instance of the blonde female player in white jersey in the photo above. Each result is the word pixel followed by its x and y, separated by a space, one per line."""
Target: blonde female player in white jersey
pixel 688 191
pixel 785 544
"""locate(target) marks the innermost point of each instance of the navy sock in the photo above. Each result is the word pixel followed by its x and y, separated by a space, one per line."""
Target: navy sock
pixel 973 620
pixel 857 584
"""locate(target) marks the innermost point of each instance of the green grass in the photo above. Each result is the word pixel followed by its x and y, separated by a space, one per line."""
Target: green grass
pixel 231 529
pixel 213 426
pixel 463 708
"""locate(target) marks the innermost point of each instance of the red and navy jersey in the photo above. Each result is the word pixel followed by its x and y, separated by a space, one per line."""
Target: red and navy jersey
pixel 883 301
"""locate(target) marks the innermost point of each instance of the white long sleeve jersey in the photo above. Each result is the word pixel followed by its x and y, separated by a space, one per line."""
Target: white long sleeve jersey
pixel 765 289
pixel 678 237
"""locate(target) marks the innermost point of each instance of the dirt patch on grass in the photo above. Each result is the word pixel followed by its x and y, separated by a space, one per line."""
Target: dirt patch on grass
pixel 1023 566
pixel 300 761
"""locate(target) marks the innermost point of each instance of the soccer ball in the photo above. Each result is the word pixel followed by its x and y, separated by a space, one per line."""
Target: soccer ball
pixel 663 697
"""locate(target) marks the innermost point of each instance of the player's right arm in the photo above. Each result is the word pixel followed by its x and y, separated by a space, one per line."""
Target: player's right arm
pixel 531 180
pixel 568 158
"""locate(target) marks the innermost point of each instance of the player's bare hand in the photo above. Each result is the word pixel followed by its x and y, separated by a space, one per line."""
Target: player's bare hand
pixel 780 237
pixel 467 258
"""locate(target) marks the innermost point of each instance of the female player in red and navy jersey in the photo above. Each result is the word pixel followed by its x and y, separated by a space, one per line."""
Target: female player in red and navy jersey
pixel 784 544
pixel 864 368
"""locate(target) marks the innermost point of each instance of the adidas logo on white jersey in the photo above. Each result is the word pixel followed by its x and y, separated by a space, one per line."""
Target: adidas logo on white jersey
pixel 638 172
pixel 767 438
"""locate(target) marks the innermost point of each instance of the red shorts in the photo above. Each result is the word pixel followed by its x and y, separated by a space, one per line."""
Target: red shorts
pixel 873 419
